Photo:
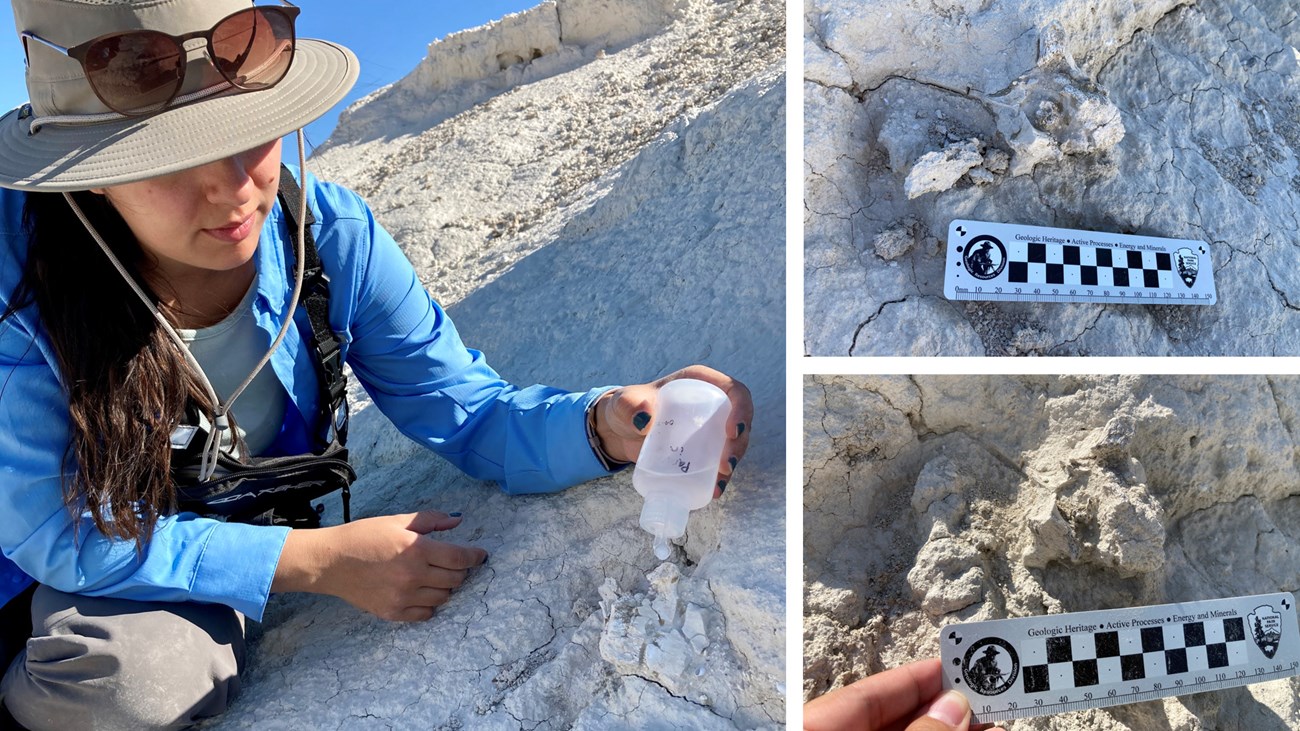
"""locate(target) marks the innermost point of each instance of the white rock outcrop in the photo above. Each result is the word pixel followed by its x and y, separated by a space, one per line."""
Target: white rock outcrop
pixel 471 66
pixel 606 224
pixel 938 499
pixel 1172 118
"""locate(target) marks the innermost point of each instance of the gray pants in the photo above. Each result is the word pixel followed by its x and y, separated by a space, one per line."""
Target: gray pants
pixel 117 664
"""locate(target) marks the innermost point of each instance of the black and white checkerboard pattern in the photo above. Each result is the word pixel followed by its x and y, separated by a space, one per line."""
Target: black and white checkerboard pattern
pixel 1086 266
pixel 1083 660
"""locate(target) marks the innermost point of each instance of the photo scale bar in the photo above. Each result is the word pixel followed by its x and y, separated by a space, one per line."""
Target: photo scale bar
pixel 1034 666
pixel 1012 263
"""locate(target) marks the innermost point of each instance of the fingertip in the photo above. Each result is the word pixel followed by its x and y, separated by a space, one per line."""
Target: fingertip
pixel 449 522
pixel 951 708
pixel 427 521
pixel 476 557
pixel 631 413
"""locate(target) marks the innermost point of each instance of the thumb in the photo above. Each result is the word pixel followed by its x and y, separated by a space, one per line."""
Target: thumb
pixel 427 521
pixel 631 410
pixel 949 712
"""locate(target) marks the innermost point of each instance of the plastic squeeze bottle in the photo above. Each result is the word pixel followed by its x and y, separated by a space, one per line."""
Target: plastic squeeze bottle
pixel 678 465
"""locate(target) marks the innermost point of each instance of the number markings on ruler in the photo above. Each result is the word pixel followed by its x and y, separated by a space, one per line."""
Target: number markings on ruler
pixel 1033 666
pixel 1013 263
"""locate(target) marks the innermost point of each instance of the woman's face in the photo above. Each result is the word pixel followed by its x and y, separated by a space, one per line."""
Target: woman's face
pixel 204 220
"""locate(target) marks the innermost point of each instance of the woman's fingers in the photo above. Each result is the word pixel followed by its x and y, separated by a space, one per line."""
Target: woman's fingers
pixel 430 585
pixel 875 702
pixel 450 556
pixel 440 578
pixel 631 409
pixel 948 712
pixel 429 597
pixel 428 521
pixel 624 418
pixel 412 614
pixel 388 566
pixel 731 455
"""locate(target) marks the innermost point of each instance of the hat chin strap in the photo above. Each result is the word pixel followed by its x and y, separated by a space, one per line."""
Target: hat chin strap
pixel 220 422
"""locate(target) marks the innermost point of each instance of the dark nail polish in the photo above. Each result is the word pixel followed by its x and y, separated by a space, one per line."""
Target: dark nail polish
pixel 640 420
pixel 454 515
pixel 732 461
pixel 722 486
pixel 485 559
pixel 740 428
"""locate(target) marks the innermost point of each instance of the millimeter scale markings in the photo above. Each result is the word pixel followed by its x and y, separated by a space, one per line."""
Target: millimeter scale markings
pixel 1012 263
pixel 1037 666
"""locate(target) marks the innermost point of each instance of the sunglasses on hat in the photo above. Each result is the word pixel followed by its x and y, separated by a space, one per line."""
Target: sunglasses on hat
pixel 139 72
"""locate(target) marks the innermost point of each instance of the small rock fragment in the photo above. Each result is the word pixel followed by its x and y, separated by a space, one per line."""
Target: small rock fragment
pixel 669 655
pixel 936 172
pixel 948 576
pixel 693 628
pixel 664 582
pixel 997 161
pixel 896 241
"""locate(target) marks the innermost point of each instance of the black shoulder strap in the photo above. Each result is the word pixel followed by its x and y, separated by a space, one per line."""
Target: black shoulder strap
pixel 315 299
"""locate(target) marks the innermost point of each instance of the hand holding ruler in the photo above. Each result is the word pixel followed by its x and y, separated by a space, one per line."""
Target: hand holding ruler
pixel 1011 263
pixel 1036 666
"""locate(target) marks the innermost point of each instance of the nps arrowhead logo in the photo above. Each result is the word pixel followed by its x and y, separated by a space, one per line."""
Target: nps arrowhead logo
pixel 1189 264
pixel 1266 629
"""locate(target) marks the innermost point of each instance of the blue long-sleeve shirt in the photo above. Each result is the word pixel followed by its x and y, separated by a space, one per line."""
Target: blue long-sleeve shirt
pixel 401 346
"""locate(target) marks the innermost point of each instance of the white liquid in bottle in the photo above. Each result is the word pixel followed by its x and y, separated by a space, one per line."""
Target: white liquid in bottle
pixel 678 465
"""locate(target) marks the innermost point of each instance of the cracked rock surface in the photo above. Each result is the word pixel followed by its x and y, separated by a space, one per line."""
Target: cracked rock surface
pixel 938 499
pixel 575 224
pixel 1172 118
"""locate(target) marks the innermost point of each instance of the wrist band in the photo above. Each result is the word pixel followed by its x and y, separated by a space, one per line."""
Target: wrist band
pixel 609 463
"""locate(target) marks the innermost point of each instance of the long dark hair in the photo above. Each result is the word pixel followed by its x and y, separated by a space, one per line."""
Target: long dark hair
pixel 127 384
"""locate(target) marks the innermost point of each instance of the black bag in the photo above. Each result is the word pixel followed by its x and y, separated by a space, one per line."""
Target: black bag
pixel 268 490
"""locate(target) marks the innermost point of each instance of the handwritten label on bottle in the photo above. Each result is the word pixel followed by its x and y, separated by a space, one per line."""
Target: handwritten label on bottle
pixel 682 463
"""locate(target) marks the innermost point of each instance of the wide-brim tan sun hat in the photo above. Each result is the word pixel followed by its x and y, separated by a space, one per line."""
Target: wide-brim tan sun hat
pixel 60 141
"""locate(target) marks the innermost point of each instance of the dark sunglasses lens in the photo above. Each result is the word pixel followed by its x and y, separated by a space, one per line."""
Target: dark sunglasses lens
pixel 254 48
pixel 135 73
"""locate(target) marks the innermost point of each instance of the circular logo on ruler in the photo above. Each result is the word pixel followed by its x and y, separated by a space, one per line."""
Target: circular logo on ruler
pixel 984 257
pixel 991 666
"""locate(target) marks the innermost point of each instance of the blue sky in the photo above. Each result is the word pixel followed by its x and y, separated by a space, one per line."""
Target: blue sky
pixel 389 38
